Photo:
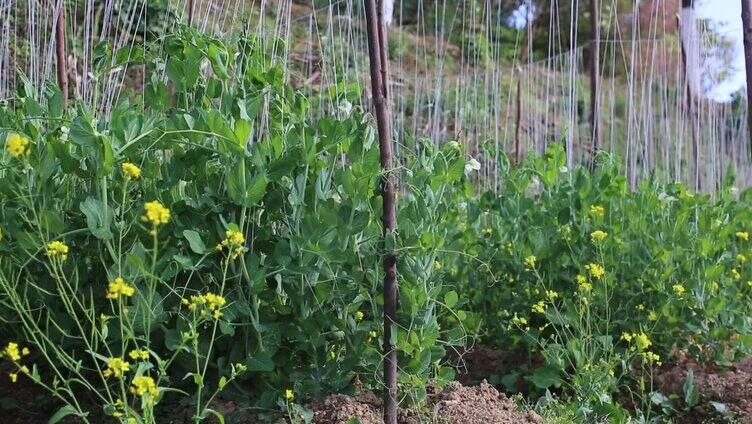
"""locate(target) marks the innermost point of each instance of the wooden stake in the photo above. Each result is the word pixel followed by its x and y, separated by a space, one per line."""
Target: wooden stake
pixel 595 89
pixel 747 24
pixel 191 7
pixel 518 118
pixel 62 67
pixel 379 86
pixel 689 106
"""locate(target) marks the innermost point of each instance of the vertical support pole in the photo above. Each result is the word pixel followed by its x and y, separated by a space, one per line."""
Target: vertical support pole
pixel 62 67
pixel 518 118
pixel 595 83
pixel 191 8
pixel 689 105
pixel 747 24
pixel 376 29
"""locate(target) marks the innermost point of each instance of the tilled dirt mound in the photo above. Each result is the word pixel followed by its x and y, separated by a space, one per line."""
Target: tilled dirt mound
pixel 722 392
pixel 456 404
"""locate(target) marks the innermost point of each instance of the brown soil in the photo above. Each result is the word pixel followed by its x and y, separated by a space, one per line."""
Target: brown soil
pixel 730 389
pixel 456 404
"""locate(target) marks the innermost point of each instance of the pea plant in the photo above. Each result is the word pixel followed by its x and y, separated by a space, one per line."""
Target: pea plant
pixel 206 237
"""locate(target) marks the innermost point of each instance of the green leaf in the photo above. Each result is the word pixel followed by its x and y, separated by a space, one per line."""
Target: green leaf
pixel 546 377
pixel 195 242
pixel 260 361
pixel 62 413
pixel 97 218
pixel 451 298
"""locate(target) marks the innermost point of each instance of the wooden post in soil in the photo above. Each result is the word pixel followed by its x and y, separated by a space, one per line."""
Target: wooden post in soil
pixel 518 118
pixel 595 89
pixel 376 29
pixel 62 67
pixel 191 7
pixel 747 24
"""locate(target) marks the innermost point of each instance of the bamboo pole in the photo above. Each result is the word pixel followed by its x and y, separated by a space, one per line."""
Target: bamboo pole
pixel 518 118
pixel 191 6
pixel 376 30
pixel 595 89
pixel 690 107
pixel 747 24
pixel 62 67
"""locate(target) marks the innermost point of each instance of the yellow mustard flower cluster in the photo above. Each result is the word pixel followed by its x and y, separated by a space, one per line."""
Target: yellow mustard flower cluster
pixel 530 261
pixel 539 307
pixel 735 274
pixel 57 249
pixel 119 288
pixel 16 144
pixel 289 394
pixel 521 322
pixel 596 271
pixel 679 289
pixel 371 336
pixel 131 171
pixel 597 210
pixel 583 286
pixel 598 236
pixel 137 354
pixel 233 241
pixel 13 352
pixel 208 303
pixel 155 213
pixel 639 341
pixel 116 367
pixel 652 357
pixel 358 316
pixel 565 231
pixel 144 384
pixel 742 235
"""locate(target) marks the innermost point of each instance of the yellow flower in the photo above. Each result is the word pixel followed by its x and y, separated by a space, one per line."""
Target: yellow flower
pixel 156 213
pixel 596 271
pixel 551 295
pixel 741 258
pixel 57 249
pixel 581 279
pixel 209 303
pixel 116 367
pixel 118 288
pixel 289 394
pixel 142 385
pixel 530 261
pixel 539 307
pixel 487 231
pixel 652 357
pixel 678 289
pixel 597 210
pixel 640 307
pixel 234 240
pixel 372 335
pixel 13 377
pixel 598 235
pixel 519 321
pixel 16 144
pixel 137 354
pixel 626 337
pixel 642 341
pixel 12 352
pixel 130 170
pixel 25 351
pixel 652 316
pixel 742 235
pixel 735 274
pixel 358 316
